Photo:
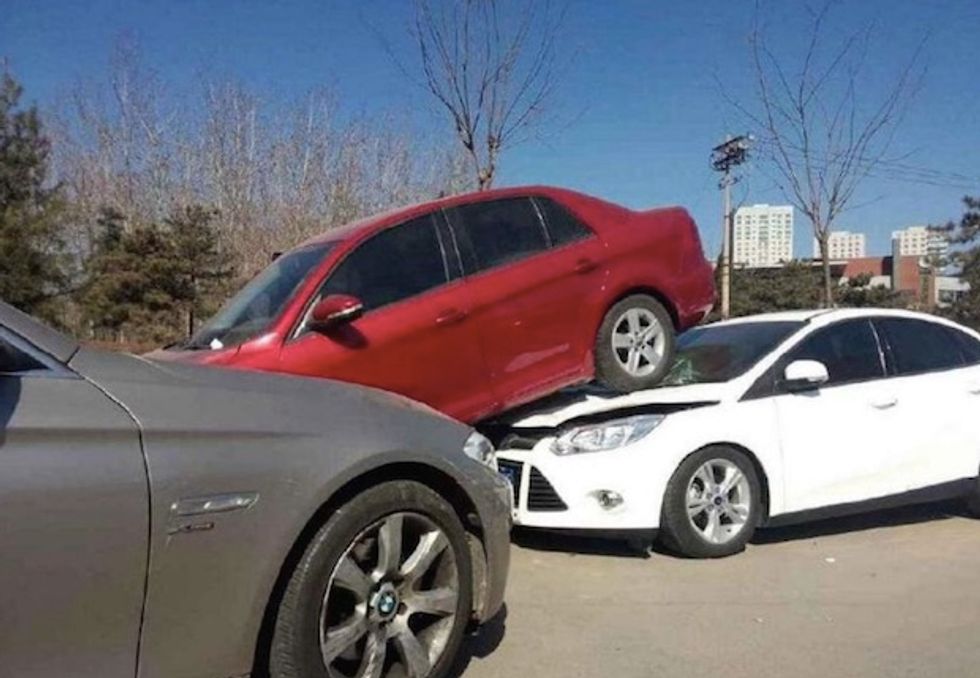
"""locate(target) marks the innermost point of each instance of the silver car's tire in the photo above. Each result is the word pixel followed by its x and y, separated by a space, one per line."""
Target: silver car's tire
pixel 712 504
pixel 635 344
pixel 383 589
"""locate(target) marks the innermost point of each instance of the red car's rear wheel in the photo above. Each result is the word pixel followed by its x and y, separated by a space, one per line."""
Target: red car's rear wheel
pixel 635 344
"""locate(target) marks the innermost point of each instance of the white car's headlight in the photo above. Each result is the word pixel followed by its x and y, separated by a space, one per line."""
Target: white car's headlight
pixel 608 435
pixel 479 448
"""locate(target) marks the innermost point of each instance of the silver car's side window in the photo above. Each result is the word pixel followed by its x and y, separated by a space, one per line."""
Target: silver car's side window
pixel 19 358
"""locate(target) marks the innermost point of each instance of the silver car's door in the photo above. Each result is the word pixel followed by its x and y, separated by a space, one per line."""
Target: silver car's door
pixel 73 522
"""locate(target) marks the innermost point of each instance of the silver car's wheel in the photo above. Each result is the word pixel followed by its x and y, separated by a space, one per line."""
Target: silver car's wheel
pixel 719 501
pixel 390 606
pixel 638 342
pixel 383 588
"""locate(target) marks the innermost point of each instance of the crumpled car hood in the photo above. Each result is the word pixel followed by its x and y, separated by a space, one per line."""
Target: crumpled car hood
pixel 584 402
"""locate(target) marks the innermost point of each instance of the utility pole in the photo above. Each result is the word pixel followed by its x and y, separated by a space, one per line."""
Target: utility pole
pixel 732 153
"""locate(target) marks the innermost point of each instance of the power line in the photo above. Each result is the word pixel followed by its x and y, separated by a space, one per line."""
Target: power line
pixel 888 170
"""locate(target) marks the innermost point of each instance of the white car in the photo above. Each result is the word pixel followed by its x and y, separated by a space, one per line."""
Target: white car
pixel 763 420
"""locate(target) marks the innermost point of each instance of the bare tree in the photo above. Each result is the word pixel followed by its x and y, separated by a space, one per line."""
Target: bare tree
pixel 276 172
pixel 494 72
pixel 817 133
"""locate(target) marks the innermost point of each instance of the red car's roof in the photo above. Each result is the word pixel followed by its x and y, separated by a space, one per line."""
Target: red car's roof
pixel 375 222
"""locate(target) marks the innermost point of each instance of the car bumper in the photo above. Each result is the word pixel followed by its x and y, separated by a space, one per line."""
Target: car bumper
pixel 490 549
pixel 605 492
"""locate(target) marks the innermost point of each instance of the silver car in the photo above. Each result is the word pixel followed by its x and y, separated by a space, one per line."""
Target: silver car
pixel 171 521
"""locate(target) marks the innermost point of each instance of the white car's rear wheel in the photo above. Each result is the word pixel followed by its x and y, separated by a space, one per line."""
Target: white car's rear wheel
pixel 712 504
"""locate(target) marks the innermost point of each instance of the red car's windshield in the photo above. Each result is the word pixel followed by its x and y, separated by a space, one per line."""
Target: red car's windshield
pixel 252 310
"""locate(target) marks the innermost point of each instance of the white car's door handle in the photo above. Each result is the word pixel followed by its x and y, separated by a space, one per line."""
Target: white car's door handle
pixel 884 403
pixel 974 389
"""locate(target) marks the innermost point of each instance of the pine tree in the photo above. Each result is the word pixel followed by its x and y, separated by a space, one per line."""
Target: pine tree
pixel 966 233
pixel 32 266
pixel 202 268
pixel 148 283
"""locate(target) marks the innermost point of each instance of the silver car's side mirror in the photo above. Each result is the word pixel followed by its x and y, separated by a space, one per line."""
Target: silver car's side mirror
pixel 805 375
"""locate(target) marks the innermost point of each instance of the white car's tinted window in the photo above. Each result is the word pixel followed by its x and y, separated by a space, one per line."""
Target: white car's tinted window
pixel 497 232
pixel 848 349
pixel 969 347
pixel 395 264
pixel 917 346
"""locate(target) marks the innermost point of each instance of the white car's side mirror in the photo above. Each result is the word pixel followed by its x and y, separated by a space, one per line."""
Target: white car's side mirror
pixel 803 375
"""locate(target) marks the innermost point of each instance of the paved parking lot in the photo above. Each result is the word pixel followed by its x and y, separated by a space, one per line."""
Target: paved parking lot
pixel 889 594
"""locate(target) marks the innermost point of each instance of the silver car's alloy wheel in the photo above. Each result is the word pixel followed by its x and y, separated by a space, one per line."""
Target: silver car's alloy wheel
pixel 390 605
pixel 719 501
pixel 638 342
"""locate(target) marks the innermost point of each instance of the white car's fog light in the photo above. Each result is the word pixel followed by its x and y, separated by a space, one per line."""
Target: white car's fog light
pixel 608 499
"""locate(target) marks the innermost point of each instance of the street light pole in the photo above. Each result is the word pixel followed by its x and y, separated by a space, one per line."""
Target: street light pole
pixel 726 244
pixel 725 156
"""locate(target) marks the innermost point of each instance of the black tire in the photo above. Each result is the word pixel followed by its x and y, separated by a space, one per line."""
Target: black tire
pixel 295 645
pixel 609 370
pixel 677 531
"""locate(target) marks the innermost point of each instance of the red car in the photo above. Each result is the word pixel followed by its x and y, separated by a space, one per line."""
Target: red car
pixel 474 304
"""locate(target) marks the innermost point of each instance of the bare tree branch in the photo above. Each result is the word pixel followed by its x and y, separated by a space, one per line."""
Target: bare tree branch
pixel 815 133
pixel 494 74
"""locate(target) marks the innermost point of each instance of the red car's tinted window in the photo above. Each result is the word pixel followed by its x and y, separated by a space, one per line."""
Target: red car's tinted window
pixel 497 232
pixel 562 225
pixel 393 265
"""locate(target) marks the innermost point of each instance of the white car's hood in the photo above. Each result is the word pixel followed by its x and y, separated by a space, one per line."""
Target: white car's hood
pixel 574 403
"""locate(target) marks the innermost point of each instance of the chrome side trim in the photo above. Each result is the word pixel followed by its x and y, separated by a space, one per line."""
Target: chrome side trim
pixel 216 503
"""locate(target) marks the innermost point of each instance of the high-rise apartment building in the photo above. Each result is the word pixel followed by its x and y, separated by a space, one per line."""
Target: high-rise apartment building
pixel 763 235
pixel 842 245
pixel 919 241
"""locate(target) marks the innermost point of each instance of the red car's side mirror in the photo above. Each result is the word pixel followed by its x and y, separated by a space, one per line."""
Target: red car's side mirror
pixel 334 310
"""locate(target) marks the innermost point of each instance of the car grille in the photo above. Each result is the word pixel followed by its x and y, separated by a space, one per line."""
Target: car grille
pixel 525 440
pixel 541 496
pixel 513 471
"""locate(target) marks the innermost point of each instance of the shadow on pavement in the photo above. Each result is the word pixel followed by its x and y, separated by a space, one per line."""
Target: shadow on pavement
pixel 480 644
pixel 542 540
pixel 905 515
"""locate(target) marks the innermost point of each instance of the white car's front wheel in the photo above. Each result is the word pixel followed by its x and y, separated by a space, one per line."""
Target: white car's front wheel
pixel 712 504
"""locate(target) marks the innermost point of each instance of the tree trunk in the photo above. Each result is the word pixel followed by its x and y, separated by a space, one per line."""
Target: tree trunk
pixel 828 283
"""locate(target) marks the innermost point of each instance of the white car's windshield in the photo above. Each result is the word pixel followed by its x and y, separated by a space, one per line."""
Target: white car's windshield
pixel 250 312
pixel 717 353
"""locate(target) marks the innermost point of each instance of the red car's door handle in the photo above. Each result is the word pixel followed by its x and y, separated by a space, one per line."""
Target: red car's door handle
pixel 585 265
pixel 451 316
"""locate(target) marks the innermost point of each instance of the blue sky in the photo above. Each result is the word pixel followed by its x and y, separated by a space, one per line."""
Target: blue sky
pixel 640 106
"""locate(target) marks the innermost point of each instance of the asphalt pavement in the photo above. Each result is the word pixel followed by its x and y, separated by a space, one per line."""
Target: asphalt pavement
pixel 889 594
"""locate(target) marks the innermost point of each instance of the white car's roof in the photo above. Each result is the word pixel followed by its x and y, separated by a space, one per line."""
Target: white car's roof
pixel 776 316
pixel 827 315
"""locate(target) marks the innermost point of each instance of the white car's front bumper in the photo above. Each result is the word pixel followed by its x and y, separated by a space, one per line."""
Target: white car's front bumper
pixel 619 490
